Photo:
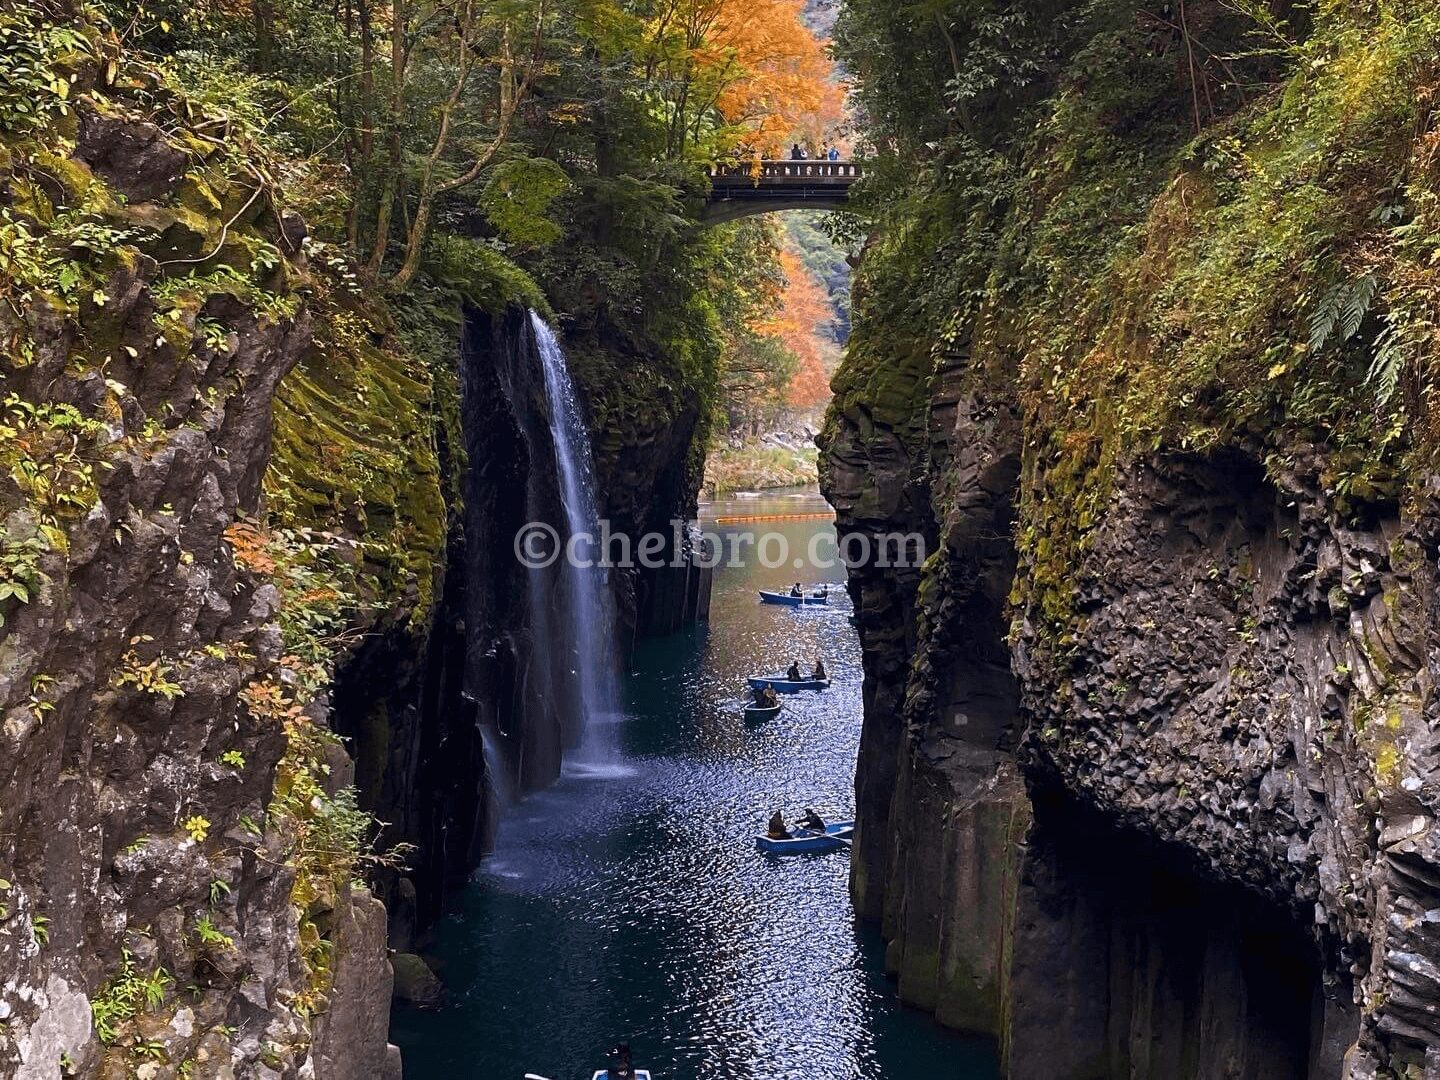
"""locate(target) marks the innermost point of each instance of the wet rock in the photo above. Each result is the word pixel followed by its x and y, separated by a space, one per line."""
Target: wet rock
pixel 415 983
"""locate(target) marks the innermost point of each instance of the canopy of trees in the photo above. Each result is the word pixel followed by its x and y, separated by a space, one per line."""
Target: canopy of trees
pixel 439 141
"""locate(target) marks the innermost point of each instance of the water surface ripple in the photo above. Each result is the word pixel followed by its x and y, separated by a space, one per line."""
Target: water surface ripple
pixel 628 901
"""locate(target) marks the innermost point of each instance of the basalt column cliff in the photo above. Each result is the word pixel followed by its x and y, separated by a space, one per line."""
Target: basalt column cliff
pixel 1147 782
pixel 255 624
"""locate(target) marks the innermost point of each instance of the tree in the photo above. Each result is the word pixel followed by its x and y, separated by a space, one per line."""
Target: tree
pixel 477 37
pixel 733 71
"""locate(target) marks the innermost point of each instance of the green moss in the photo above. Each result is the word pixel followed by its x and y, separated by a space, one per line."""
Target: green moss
pixel 354 451
pixel 1387 764
pixel 480 275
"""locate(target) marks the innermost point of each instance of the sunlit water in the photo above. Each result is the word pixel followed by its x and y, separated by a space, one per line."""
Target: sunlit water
pixel 629 902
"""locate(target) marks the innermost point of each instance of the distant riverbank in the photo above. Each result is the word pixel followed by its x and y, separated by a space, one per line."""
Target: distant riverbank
pixel 759 465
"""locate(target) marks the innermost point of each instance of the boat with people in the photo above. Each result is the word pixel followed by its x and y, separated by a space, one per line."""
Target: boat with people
pixel 621 1067
pixel 781 683
pixel 755 713
pixel 790 599
pixel 836 835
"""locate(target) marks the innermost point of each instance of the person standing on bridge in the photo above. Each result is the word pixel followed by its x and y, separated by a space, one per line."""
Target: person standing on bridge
pixel 834 154
pixel 796 152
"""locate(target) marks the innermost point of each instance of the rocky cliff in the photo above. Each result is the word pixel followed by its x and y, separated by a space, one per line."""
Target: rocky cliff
pixel 177 848
pixel 1091 938
pixel 1145 785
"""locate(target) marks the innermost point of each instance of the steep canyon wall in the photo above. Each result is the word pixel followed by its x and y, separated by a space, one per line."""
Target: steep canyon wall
pixel 1189 835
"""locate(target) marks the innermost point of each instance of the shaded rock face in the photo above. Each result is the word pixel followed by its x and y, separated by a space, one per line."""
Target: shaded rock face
pixel 648 437
pixel 100 768
pixel 132 155
pixel 1152 851
pixel 1123 962
pixel 1253 681
pixel 350 1041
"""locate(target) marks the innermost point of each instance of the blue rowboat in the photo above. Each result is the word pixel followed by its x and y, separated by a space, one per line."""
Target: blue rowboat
pixel 782 685
pixel 758 714
pixel 791 601
pixel 836 836
pixel 604 1074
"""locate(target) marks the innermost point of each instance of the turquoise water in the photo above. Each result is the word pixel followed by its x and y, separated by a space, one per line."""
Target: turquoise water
pixel 628 902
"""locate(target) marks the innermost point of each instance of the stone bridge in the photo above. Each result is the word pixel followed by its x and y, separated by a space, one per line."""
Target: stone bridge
pixel 740 190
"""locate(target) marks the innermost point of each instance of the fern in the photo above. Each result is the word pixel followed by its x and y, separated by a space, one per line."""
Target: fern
pixel 1396 346
pixel 1357 304
pixel 1325 316
pixel 1341 311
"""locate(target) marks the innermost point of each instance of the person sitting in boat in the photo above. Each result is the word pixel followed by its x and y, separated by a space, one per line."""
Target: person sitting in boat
pixel 622 1066
pixel 812 821
pixel 794 673
pixel 777 829
pixel 768 698
pixel 796 591
pixel 823 592
pixel 819 672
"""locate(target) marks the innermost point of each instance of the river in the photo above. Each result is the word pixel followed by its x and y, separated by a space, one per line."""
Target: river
pixel 628 901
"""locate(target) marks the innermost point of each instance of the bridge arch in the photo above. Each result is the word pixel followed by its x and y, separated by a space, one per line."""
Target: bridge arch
pixel 741 190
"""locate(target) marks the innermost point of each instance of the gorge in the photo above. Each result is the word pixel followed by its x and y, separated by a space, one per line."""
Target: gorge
pixel 309 311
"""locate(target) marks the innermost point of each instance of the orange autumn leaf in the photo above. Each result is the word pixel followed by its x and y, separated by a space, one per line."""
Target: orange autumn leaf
pixel 804 310
pixel 788 86
pixel 754 62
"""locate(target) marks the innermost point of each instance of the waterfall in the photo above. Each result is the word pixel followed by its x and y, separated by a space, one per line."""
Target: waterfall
pixel 573 617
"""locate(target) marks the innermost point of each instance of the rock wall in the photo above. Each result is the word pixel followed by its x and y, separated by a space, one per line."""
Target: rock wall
pixel 1251 681
pixel 1189 835
pixel 150 924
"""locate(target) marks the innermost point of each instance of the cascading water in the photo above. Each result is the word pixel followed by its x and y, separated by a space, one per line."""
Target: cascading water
pixel 572 613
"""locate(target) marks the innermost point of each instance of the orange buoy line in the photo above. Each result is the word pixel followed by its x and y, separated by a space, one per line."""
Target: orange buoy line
pixel 772 517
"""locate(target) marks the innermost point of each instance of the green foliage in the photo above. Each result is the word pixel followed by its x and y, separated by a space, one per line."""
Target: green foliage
pixel 51 452
pixel 518 198
pixel 1168 238
pixel 127 995
pixel 210 937
pixel 35 84
pixel 20 576
pixel 480 275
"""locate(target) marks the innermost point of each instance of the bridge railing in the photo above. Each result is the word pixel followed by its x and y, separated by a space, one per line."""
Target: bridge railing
pixel 789 169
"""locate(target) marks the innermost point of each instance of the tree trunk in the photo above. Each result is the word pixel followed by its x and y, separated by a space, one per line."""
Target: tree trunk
pixel 391 189
pixel 264 37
